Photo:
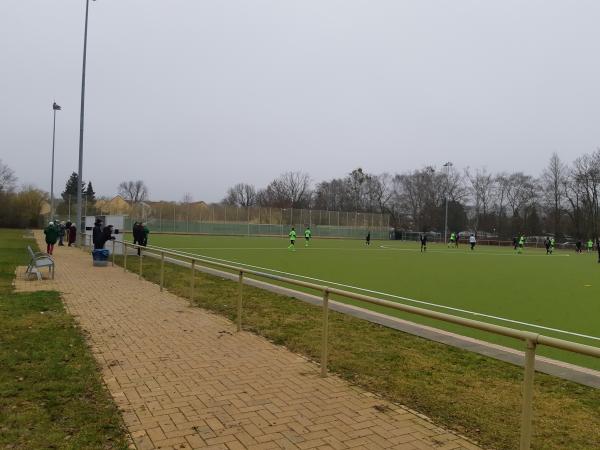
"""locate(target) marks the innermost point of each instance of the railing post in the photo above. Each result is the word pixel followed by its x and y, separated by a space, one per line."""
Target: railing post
pixel 192 281
pixel 162 270
pixel 125 251
pixel 527 412
pixel 113 253
pixel 324 336
pixel 141 258
pixel 239 303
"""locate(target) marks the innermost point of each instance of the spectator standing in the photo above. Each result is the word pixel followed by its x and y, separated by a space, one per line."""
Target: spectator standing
pixel 51 232
pixel 145 233
pixel 138 232
pixel 97 235
pixel 61 234
pixel 107 235
pixel 72 237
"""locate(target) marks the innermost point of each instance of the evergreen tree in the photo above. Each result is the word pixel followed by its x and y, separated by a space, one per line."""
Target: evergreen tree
pixel 90 195
pixel 71 188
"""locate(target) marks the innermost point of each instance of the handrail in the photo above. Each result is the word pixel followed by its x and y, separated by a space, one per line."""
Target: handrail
pixel 470 323
pixel 530 339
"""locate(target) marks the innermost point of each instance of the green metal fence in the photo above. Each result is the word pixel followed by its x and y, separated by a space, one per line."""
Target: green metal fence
pixel 256 221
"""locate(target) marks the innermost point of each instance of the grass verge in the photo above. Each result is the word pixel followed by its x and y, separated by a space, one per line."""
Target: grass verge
pixel 51 393
pixel 477 396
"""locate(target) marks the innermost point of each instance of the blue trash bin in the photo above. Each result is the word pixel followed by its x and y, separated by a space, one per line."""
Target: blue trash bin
pixel 100 257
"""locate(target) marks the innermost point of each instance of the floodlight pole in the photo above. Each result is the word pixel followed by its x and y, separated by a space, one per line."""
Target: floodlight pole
pixel 447 166
pixel 81 117
pixel 54 108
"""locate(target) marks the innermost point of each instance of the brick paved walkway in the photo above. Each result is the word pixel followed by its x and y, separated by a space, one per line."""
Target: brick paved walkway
pixel 184 379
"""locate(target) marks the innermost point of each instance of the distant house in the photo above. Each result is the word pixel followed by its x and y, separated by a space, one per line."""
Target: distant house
pixel 115 206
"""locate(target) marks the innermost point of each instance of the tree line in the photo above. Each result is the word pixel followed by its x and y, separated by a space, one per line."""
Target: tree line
pixel 19 208
pixel 563 200
pixel 22 207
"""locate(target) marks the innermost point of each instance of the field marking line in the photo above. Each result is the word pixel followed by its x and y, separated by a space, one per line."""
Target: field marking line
pixel 384 247
pixel 461 253
pixel 466 311
pixel 268 248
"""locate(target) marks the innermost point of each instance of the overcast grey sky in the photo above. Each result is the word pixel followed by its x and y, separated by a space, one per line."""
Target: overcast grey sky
pixel 194 96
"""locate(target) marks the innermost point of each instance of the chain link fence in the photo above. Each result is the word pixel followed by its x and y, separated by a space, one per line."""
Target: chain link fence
pixel 259 221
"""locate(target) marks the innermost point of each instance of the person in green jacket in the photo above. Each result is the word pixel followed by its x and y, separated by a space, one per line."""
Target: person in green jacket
pixel 590 245
pixel 145 233
pixel 292 235
pixel 307 236
pixel 51 232
pixel 552 241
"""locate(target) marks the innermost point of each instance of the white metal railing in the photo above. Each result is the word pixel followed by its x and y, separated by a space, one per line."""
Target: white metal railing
pixel 530 339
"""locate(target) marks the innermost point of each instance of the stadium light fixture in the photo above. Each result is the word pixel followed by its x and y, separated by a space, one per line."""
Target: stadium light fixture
pixel 447 166
pixel 55 108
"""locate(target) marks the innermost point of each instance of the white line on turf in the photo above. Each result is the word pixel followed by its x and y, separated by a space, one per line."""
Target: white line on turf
pixel 454 252
pixel 283 249
pixel 542 327
pixel 384 247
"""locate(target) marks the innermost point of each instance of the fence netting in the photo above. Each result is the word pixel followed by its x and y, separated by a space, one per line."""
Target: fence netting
pixel 259 221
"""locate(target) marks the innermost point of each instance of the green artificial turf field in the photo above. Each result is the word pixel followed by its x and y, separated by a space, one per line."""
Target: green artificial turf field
pixel 557 295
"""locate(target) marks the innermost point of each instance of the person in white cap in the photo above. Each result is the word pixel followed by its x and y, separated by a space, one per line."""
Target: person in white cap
pixel 51 233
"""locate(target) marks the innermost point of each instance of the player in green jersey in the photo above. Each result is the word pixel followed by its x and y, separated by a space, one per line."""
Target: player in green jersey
pixel 521 244
pixel 452 241
pixel 292 235
pixel 307 236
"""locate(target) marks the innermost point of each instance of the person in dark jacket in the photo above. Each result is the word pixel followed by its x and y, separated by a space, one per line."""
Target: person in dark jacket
pixel 72 237
pixel 143 235
pixel 135 231
pixel 97 235
pixel 107 234
pixel 138 235
pixel 51 232
pixel 423 242
pixel 145 232
pixel 61 233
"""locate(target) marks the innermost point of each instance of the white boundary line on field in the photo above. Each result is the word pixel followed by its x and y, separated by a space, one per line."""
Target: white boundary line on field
pixel 466 311
pixel 267 248
pixel 463 253
pixel 384 247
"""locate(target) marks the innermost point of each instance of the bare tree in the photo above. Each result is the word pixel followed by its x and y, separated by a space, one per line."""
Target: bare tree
pixel 521 192
pixel 332 195
pixel 553 181
pixel 573 196
pixel 7 178
pixel 242 194
pixel 379 192
pixel 417 196
pixel 133 191
pixel 586 183
pixel 290 190
pixel 482 185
